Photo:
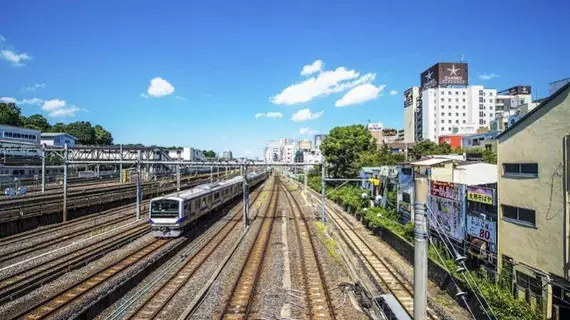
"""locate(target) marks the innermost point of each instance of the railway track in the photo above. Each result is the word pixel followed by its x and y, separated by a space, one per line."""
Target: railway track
pixel 7 256
pixel 383 273
pixel 156 304
pixel 312 268
pixel 58 301
pixel 239 304
pixel 30 235
pixel 24 281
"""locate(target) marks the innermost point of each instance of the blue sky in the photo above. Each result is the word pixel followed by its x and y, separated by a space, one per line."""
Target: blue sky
pixel 226 61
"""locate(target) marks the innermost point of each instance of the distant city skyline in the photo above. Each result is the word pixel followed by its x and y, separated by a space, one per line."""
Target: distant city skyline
pixel 235 75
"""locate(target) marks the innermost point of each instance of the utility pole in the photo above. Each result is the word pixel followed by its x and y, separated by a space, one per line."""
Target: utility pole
pixel 43 168
pixel 121 163
pixel 65 158
pixel 323 187
pixel 177 178
pixel 211 173
pixel 138 211
pixel 420 249
pixel 306 178
pixel 245 197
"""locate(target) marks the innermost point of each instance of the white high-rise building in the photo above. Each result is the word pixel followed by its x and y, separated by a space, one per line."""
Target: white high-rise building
pixel 448 111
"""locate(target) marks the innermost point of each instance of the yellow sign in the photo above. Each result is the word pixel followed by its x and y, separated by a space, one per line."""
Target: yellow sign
pixel 480 197
pixel 375 182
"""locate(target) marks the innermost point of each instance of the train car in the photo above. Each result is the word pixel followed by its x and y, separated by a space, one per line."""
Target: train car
pixel 170 215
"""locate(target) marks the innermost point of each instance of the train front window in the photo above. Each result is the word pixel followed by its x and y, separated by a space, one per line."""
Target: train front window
pixel 164 209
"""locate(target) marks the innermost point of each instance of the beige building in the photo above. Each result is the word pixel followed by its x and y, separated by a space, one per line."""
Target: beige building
pixel 533 182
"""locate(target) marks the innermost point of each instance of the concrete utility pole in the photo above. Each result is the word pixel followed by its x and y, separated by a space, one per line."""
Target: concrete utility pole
pixel 178 178
pixel 420 249
pixel 323 187
pixel 245 197
pixel 306 174
pixel 65 158
pixel 139 186
pixel 211 173
pixel 43 168
pixel 121 164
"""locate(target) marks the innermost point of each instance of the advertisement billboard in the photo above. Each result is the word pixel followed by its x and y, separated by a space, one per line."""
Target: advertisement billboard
pixel 446 190
pixel 447 209
pixel 444 74
pixel 483 229
pixel 516 90
pixel 375 126
pixel 481 195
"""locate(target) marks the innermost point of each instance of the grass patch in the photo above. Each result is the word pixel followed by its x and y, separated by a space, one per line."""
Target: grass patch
pixel 330 243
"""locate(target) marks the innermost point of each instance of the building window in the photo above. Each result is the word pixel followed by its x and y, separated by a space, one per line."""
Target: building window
pixel 480 93
pixel 450 114
pixel 456 93
pixel 442 121
pixel 463 99
pixel 481 107
pixel 456 100
pixel 449 93
pixel 448 121
pixel 442 99
pixel 442 92
pixel 464 114
pixel 449 107
pixel 442 129
pixel 490 107
pixel 463 107
pixel 463 121
pixel 456 121
pixel 449 128
pixel 521 169
pixel 481 114
pixel 443 114
pixel 490 100
pixel 519 215
pixel 463 92
pixel 456 107
pixel 491 114
pixel 449 100
pixel 457 114
pixel 481 99
pixel 491 94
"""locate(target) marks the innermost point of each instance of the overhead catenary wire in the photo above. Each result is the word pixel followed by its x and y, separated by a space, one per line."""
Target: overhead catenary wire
pixel 466 275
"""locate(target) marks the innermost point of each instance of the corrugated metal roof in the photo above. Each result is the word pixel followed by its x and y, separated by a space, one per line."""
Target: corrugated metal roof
pixel 55 134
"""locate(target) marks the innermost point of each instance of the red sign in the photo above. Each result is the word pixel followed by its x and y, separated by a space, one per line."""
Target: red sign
pixel 444 190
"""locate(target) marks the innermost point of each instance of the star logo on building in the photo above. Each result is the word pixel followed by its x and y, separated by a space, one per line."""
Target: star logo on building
pixel 429 75
pixel 453 71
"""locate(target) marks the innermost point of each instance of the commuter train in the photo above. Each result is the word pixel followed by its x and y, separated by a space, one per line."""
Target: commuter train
pixel 171 214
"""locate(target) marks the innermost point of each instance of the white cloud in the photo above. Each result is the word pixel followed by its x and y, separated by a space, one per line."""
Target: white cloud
pixel 51 105
pixel 270 114
pixel 159 88
pixel 17 59
pixel 180 98
pixel 144 95
pixel 307 131
pixel 34 87
pixel 305 114
pixel 312 68
pixel 64 112
pixel 325 83
pixel 33 101
pixel 393 92
pixel 8 100
pixel 360 94
pixel 488 76
pixel 2 39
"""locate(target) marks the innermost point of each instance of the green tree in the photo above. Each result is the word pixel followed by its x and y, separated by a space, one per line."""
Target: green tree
pixel 59 127
pixel 343 148
pixel 209 153
pixel 37 122
pixel 427 147
pixel 489 156
pixel 10 114
pixel 83 131
pixel 102 136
